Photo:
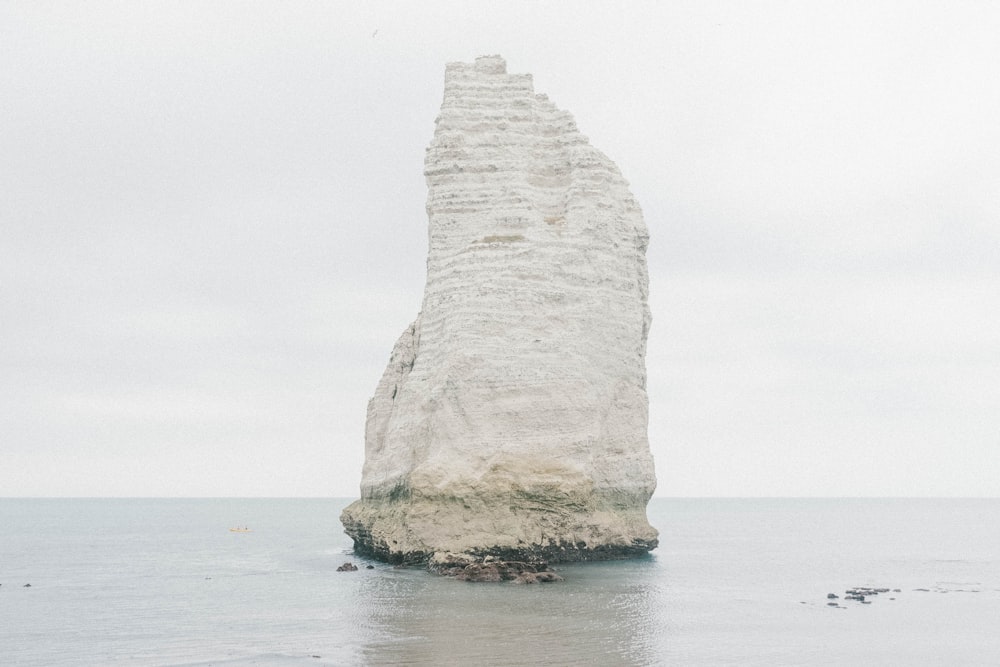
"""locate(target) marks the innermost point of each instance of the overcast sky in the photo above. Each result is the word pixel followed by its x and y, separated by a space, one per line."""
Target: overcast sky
pixel 212 230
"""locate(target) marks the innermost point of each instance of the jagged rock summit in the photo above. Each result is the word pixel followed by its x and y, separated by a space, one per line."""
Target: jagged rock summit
pixel 511 420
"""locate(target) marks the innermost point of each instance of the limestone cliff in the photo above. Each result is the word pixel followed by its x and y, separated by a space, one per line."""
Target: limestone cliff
pixel 512 417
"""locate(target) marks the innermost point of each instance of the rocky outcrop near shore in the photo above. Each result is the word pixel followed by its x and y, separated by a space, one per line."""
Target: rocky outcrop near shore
pixel 489 569
pixel 511 419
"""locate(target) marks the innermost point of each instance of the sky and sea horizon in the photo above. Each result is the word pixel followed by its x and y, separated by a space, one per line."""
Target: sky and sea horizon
pixel 212 231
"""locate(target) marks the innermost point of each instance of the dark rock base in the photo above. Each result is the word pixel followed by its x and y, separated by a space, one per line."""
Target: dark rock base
pixel 554 552
pixel 527 528
pixel 493 570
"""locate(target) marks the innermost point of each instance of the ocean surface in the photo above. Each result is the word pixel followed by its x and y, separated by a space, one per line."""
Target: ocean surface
pixel 734 582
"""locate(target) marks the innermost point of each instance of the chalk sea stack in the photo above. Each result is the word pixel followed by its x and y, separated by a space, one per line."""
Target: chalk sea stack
pixel 511 421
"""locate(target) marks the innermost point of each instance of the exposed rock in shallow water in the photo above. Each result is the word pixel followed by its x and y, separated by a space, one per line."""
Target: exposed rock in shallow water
pixel 511 419
pixel 490 569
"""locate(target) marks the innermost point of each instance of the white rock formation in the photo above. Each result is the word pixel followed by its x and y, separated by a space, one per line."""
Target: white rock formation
pixel 512 417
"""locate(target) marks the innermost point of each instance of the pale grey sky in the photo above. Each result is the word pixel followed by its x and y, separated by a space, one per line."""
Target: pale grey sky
pixel 212 231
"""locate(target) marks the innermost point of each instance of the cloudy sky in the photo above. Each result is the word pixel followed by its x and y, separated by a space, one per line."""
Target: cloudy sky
pixel 212 231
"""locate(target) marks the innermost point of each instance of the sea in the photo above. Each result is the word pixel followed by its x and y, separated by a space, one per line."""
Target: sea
pixel 734 582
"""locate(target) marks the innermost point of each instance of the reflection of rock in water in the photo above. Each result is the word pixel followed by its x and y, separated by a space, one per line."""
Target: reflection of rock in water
pixel 603 614
pixel 511 419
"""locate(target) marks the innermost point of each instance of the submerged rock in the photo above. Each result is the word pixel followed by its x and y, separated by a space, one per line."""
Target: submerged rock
pixel 511 419
pixel 468 568
pixel 861 593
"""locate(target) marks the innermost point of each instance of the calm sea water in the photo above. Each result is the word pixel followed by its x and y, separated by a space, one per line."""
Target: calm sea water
pixel 735 582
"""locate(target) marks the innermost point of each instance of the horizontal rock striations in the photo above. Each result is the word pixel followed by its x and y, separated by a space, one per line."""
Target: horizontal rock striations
pixel 511 420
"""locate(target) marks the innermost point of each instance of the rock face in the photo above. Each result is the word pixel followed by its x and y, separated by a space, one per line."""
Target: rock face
pixel 511 420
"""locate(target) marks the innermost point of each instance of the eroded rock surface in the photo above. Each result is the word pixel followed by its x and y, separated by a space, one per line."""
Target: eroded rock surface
pixel 511 420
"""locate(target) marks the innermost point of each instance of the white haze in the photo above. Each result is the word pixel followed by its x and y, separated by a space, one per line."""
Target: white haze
pixel 212 230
